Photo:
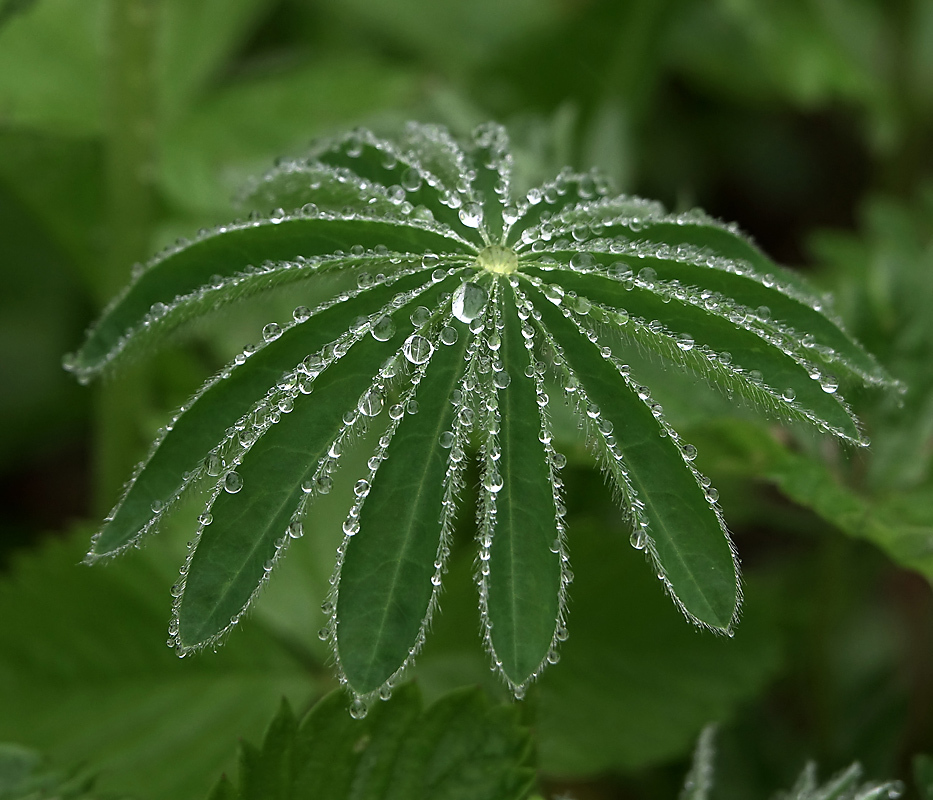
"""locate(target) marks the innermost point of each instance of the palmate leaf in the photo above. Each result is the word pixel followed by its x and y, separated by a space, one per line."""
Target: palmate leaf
pixel 445 313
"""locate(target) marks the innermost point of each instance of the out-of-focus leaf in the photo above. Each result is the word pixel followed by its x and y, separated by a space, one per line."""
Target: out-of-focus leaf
pixel 635 684
pixel 196 40
pixel 459 747
pixel 51 67
pixel 900 523
pixel 24 776
pixel 85 676
pixel 235 133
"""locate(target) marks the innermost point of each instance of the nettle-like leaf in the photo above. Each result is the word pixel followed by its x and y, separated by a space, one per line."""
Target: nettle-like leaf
pixel 460 746
pixel 452 311
pixel 844 785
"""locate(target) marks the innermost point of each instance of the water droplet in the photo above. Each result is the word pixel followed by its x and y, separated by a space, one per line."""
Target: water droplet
pixel 307 487
pixel 788 395
pixel 271 332
pixel 471 215
pixel 420 316
pixel 417 349
pixel 411 180
pixel 689 452
pixel 157 506
pixel 501 379
pixel 638 539
pixel 361 489
pixel 358 709
pixel 206 518
pixel 324 484
pixel 446 440
pixel 469 300
pixel 370 403
pixel 449 335
pixel 323 634
pixel 383 329
pixel 295 529
pixel 829 384
pixel 492 481
pixel 233 482
pixel 301 313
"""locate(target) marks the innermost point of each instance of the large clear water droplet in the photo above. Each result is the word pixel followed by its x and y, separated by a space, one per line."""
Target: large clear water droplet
pixel 468 301
pixel 417 349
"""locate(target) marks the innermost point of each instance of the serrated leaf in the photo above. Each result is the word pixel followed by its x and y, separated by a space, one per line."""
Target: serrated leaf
pixel 457 747
pixel 542 290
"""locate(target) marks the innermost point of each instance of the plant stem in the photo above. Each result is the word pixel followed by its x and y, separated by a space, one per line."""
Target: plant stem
pixel 131 137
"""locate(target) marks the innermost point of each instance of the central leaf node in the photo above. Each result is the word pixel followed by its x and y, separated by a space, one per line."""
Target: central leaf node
pixel 498 259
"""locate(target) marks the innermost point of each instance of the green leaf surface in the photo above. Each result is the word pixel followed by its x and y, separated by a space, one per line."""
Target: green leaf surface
pixel 683 528
pixel 635 684
pixel 900 523
pixel 238 129
pixel 24 775
pixel 219 405
pixel 459 747
pixel 231 555
pixel 386 594
pixel 525 594
pixel 693 337
pixel 85 676
pixel 189 270
pixel 51 67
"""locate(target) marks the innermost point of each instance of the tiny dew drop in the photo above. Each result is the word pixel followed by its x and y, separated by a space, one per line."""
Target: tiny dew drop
pixel 271 332
pixel 449 335
pixel 358 709
pixel 417 349
pixel 829 384
pixel 206 518
pixel 295 529
pixel 420 316
pixel 301 313
pixel 371 403
pixel 383 329
pixel 233 483
pixel 471 215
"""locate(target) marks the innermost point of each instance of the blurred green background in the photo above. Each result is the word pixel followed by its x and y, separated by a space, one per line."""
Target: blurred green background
pixel 125 124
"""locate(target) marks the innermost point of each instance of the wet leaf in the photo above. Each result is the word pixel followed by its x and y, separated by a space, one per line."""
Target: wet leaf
pixel 453 313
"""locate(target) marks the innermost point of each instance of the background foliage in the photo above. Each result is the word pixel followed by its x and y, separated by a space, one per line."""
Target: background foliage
pixel 807 121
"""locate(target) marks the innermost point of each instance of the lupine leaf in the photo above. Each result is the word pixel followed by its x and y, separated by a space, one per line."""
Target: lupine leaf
pixel 457 747
pixel 510 297
pixel 290 458
pixel 524 586
pixel 201 426
pixel 676 519
pixel 391 573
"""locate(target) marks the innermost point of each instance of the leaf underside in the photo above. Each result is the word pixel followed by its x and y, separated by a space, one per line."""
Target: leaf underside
pixel 440 312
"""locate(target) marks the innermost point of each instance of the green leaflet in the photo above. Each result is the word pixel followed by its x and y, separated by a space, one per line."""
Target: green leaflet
pixel 456 748
pixel 524 589
pixel 390 575
pixel 696 337
pixel 189 270
pixel 219 404
pixel 682 530
pixel 248 529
